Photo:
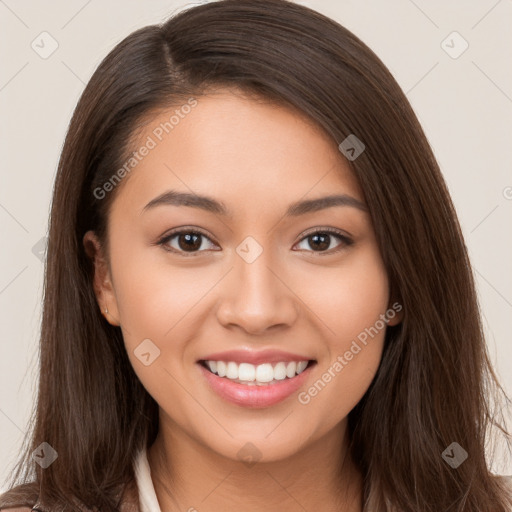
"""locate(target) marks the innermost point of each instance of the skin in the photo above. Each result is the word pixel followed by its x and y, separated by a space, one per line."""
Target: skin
pixel 295 297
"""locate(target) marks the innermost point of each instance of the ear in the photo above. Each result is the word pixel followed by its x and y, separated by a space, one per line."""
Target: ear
pixel 102 282
pixel 395 312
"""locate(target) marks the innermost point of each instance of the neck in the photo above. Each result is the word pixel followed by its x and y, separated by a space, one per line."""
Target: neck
pixel 189 476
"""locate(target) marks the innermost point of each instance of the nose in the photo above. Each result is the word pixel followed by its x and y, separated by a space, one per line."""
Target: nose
pixel 257 297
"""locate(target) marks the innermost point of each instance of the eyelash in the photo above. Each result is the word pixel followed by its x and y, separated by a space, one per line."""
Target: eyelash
pixel 346 241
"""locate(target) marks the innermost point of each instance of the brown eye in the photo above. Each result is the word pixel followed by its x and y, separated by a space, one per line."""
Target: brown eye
pixel 320 241
pixel 184 241
pixel 189 241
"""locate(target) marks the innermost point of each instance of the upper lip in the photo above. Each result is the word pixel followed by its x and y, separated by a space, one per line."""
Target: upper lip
pixel 255 357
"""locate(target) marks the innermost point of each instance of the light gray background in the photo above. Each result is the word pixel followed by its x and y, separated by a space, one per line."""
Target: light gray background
pixel 464 105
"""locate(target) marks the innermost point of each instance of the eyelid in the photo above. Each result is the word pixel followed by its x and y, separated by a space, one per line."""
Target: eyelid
pixel 330 230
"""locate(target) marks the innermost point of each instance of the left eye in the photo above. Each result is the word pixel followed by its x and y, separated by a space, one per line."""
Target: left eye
pixel 321 240
pixel 190 242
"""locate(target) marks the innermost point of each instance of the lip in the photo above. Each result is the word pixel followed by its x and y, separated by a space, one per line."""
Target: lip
pixel 255 396
pixel 255 357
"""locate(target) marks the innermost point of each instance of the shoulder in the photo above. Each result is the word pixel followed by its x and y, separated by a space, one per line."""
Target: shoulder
pixel 24 497
pixel 20 498
pixel 505 482
pixel 506 479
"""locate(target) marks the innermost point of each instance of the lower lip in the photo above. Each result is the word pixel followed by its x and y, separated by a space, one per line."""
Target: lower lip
pixel 254 396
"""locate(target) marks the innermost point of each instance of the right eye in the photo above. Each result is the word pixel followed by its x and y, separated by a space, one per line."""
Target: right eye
pixel 187 243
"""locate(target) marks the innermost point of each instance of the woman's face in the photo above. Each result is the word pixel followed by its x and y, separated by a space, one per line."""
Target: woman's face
pixel 257 279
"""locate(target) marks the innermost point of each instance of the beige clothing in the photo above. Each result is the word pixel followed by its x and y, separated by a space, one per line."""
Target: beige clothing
pixel 147 495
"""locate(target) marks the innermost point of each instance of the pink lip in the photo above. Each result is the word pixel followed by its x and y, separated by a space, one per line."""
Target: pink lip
pixel 255 357
pixel 254 396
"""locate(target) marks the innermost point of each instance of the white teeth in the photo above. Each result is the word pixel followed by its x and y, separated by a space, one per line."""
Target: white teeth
pixel 301 366
pixel 232 370
pixel 280 371
pixel 256 375
pixel 264 372
pixel 290 369
pixel 221 368
pixel 246 372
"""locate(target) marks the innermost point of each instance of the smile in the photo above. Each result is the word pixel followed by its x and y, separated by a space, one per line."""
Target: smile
pixel 262 374
pixel 254 386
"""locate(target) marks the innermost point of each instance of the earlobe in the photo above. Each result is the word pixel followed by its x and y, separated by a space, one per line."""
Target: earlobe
pixel 102 283
pixel 395 312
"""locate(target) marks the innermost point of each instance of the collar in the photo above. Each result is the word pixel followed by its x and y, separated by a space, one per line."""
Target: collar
pixel 146 490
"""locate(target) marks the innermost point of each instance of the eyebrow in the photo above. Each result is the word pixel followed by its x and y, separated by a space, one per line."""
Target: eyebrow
pixel 175 198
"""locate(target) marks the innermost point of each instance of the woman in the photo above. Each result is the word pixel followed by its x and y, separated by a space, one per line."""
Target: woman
pixel 257 292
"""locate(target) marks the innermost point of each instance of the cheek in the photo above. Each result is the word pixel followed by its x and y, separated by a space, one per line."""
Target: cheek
pixel 348 298
pixel 153 295
pixel 154 304
pixel 349 302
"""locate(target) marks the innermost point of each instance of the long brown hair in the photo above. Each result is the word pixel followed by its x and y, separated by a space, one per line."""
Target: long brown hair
pixel 435 384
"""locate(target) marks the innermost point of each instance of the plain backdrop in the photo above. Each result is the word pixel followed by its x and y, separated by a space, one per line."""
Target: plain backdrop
pixel 463 100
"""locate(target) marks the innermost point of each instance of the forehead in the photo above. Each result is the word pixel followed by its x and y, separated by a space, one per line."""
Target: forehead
pixel 246 151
